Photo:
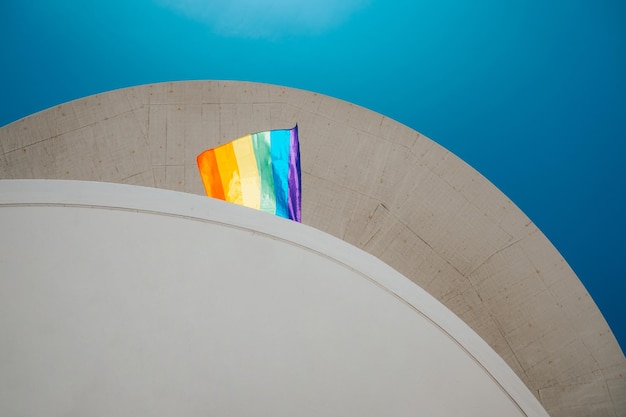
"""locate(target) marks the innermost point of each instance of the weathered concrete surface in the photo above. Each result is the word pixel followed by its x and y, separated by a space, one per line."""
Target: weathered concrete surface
pixel 374 183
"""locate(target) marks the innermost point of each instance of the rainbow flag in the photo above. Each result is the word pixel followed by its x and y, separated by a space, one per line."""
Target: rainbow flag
pixel 260 171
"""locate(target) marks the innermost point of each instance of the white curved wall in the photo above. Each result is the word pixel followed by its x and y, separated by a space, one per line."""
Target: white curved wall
pixel 120 300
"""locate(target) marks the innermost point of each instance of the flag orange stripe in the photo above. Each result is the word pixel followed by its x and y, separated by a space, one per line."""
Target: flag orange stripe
pixel 210 174
pixel 229 173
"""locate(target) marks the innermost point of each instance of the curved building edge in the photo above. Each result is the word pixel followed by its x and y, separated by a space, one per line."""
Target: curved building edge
pixel 372 182
pixel 66 194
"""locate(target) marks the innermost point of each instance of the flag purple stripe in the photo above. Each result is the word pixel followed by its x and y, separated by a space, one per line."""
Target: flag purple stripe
pixel 295 184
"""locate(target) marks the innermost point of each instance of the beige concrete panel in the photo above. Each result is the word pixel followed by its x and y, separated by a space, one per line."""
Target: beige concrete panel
pixel 169 177
pixel 465 301
pixel 193 92
pixel 573 299
pixel 617 387
pixel 453 227
pixel 32 161
pixel 516 223
pixel 145 179
pixel 207 135
pixel 5 171
pixel 325 133
pixel 305 101
pixel 111 150
pixel 399 134
pixel 382 234
pixel 118 149
pixel 504 273
pixel 283 94
pixel 570 360
pixel 157 134
pixel 175 127
pixel 477 190
pixel 584 318
pixel 332 200
pixel 417 260
pixel 351 161
pixel 190 92
pixel 230 92
pixel 201 134
pixel 393 242
pixel 523 323
pixel 367 235
pixel 364 122
pixel 158 174
pixel 473 311
pixel 579 400
pixel 597 338
pixel 29 131
pixel 470 225
pixel 196 131
pixel 425 201
pixel 469 306
pixel 335 110
pixel 285 115
pixel 401 173
pixel 548 263
pixel 364 222
pixel 80 113
pixel 538 351
pixel 235 121
pixel 599 341
pixel 369 165
pixel 138 96
pixel 617 372
pixel 510 289
pixel 178 133
pixel 192 182
pixel 487 325
pixel 261 116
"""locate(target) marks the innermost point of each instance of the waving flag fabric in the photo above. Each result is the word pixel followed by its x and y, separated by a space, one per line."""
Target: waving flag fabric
pixel 260 171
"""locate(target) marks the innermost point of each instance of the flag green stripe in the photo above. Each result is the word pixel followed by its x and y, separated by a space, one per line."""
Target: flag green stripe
pixel 261 145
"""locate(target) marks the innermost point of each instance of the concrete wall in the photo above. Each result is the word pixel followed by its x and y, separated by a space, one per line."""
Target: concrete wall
pixel 374 183
pixel 124 300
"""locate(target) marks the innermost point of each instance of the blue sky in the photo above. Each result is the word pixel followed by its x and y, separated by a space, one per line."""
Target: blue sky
pixel 530 93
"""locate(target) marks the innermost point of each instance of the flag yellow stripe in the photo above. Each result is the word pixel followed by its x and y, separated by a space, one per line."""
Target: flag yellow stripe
pixel 248 172
pixel 229 173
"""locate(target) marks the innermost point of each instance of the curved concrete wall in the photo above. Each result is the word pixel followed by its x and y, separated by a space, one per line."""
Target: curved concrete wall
pixel 124 300
pixel 374 183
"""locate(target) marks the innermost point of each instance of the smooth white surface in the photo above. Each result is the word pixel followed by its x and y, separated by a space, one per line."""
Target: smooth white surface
pixel 120 300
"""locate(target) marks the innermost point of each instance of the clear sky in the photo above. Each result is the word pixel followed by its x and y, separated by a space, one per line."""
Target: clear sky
pixel 531 93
